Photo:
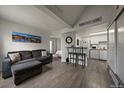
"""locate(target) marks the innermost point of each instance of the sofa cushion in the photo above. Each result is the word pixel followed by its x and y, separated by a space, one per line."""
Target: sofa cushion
pixel 36 53
pixel 43 58
pixel 26 60
pixel 25 54
pixel 44 53
pixel 22 67
pixel 12 53
pixel 15 57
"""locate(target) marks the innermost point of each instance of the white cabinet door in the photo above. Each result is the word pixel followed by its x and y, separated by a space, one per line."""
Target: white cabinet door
pixel 94 54
pixel 103 54
pixel 94 40
pixel 97 39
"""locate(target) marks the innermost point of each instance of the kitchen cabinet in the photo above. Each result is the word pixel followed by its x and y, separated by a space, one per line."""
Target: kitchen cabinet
pixel 103 54
pixel 98 54
pixel 94 53
pixel 94 41
pixel 97 39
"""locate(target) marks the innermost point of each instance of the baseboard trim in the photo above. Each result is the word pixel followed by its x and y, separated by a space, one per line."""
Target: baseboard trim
pixel 116 79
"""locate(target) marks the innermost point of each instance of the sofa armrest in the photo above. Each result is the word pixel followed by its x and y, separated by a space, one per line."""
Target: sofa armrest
pixel 6 68
pixel 51 55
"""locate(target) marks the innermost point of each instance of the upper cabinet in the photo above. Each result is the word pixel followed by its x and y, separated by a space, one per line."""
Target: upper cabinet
pixel 97 39
pixel 94 40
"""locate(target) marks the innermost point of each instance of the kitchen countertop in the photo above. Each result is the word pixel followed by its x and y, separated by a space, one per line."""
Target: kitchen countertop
pixel 99 49
pixel 85 48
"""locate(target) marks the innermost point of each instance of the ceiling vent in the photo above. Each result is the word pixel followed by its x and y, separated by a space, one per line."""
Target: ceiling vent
pixel 99 19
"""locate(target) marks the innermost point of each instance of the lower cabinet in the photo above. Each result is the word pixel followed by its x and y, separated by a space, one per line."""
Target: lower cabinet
pixel 98 54
pixel 103 54
pixel 94 54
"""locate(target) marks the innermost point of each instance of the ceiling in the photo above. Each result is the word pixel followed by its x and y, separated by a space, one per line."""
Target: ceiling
pixel 91 30
pixel 69 13
pixel 54 19
pixel 39 18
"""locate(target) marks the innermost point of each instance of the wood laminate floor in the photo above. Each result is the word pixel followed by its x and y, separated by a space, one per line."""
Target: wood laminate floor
pixel 62 75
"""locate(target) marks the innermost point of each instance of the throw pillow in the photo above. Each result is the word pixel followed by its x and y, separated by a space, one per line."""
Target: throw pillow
pixel 44 53
pixel 14 57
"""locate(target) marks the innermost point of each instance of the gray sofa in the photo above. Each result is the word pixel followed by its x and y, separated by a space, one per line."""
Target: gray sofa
pixel 31 64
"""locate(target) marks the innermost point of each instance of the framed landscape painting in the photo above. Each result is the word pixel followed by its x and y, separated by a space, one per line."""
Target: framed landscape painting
pixel 26 38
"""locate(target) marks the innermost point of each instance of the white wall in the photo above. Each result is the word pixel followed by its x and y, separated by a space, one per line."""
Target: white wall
pixel 54 45
pixel 6 44
pixel 58 43
pixel 64 45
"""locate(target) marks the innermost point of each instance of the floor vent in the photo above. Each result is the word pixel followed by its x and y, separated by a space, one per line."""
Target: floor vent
pixel 98 19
